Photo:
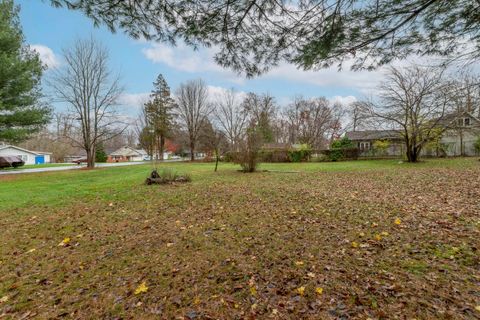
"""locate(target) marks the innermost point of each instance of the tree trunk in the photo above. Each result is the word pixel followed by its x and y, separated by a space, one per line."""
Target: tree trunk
pixel 90 158
pixel 192 151
pixel 217 156
pixel 162 146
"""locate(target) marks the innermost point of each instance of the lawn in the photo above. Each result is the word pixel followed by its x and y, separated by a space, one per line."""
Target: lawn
pixel 347 240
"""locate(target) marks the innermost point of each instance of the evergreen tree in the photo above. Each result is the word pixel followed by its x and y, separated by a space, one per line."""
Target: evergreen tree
pixel 159 113
pixel 21 110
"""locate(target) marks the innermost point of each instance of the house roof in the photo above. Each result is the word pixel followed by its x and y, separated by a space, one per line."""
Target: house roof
pixel 37 153
pixel 128 151
pixel 373 135
pixel 449 120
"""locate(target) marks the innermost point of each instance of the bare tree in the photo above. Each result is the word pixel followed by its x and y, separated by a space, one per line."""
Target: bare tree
pixel 91 91
pixel 193 108
pixel 309 120
pixel 231 117
pixel 413 100
pixel 262 112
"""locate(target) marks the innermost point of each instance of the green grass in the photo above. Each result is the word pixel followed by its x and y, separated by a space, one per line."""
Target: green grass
pixel 39 166
pixel 117 183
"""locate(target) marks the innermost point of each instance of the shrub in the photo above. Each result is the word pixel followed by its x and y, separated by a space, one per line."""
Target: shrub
pixel 381 146
pixel 342 149
pixel 248 155
pixel 100 155
pixel 301 154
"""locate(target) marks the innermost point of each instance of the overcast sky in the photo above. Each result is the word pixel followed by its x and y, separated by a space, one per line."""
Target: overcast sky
pixel 49 29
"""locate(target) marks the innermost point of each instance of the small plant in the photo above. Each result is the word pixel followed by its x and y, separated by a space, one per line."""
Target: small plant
pixel 165 176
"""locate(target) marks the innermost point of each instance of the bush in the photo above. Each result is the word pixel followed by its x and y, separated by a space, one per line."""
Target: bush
pixel 100 155
pixel 381 146
pixel 302 154
pixel 342 154
pixel 249 151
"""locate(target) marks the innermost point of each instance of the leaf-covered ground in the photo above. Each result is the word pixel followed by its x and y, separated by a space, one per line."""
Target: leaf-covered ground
pixel 390 243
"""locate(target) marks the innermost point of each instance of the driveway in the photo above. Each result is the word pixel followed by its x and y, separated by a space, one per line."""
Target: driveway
pixel 74 167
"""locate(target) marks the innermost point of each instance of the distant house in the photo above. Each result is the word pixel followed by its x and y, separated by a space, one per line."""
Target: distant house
pixel 364 141
pixel 461 130
pixel 29 157
pixel 125 154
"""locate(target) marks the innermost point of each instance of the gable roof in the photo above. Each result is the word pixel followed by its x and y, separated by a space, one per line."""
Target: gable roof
pixel 127 151
pixel 449 120
pixel 37 153
pixel 374 135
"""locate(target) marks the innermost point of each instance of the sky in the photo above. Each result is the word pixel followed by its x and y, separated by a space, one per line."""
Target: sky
pixel 48 30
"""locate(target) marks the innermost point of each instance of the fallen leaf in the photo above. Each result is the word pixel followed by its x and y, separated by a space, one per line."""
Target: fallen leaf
pixel 398 221
pixel 354 244
pixel 299 263
pixel 477 308
pixel 141 288
pixel 64 242
pixel 31 250
pixel 319 290
pixel 301 290
pixel 385 234
pixel 4 299
pixel 253 291
pixel 378 237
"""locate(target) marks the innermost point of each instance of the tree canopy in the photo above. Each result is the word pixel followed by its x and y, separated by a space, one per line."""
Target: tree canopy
pixel 255 35
pixel 21 111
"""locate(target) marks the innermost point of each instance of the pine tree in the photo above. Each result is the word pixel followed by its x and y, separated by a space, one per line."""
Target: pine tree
pixel 159 112
pixel 21 111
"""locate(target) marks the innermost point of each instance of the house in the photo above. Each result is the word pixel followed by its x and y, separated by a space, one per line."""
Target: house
pixel 365 140
pixel 460 132
pixel 126 154
pixel 29 157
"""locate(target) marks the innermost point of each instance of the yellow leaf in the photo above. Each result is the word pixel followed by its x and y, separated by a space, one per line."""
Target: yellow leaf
pixel 141 288
pixel 4 299
pixel 311 274
pixel 299 263
pixel 378 237
pixel 384 233
pixel 64 242
pixel 319 290
pixel 361 234
pixel 354 244
pixel 398 221
pixel 253 291
pixel 301 291
pixel 477 308
pixel 31 250
pixel 236 306
pixel 197 300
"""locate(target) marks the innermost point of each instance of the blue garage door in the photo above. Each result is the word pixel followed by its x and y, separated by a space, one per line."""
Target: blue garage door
pixel 39 159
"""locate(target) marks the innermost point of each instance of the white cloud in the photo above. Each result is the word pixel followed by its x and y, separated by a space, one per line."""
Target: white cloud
pixel 133 100
pixel 343 100
pixel 186 59
pixel 47 55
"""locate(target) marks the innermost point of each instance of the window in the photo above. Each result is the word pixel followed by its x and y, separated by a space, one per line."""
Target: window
pixel 364 145
pixel 463 122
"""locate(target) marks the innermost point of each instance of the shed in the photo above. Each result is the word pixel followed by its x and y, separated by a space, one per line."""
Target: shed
pixel 30 157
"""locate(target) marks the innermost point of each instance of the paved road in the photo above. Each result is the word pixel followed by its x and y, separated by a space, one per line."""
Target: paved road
pixel 72 167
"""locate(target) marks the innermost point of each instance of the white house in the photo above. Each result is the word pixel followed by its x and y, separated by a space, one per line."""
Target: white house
pixel 30 157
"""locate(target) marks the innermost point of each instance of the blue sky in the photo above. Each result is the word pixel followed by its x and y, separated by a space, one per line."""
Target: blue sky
pixel 50 29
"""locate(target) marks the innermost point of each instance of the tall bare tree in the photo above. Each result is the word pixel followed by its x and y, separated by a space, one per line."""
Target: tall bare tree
pixel 193 108
pixel 91 90
pixel 262 111
pixel 309 120
pixel 231 117
pixel 414 100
